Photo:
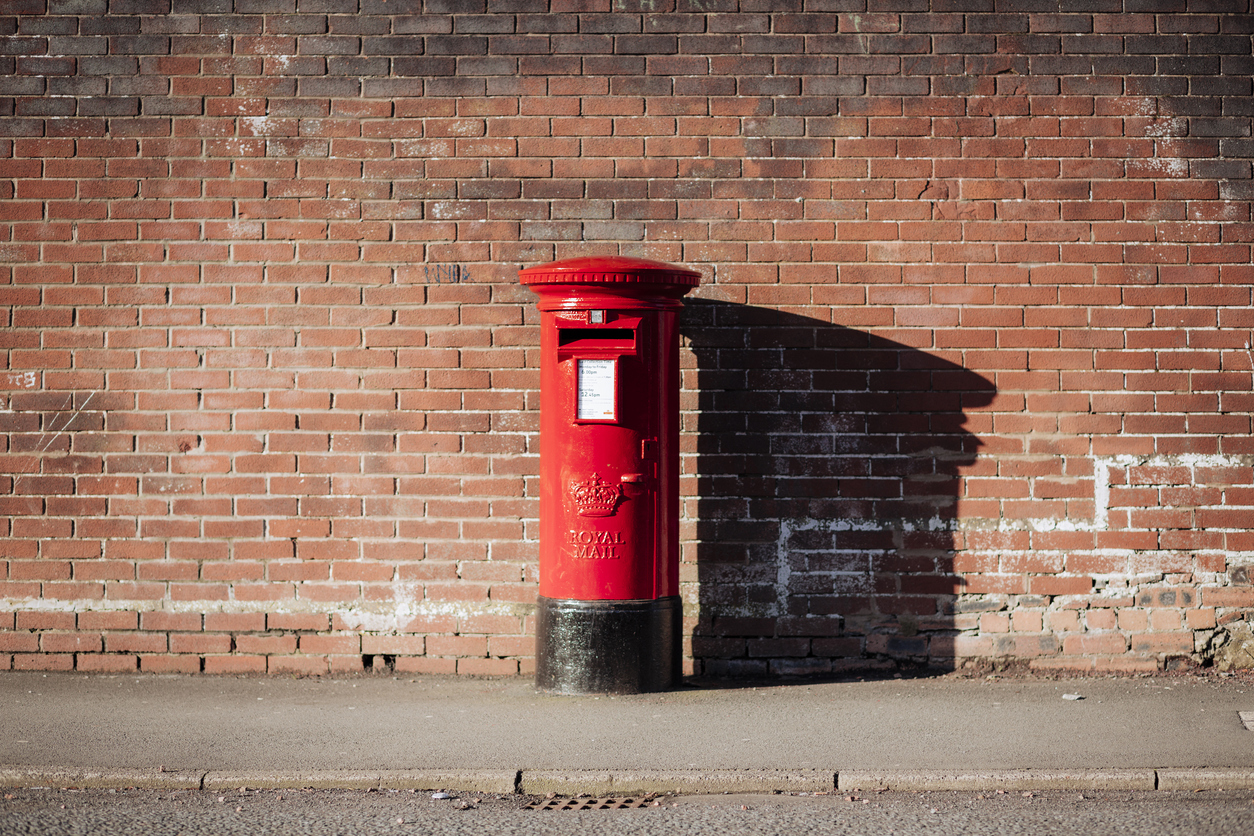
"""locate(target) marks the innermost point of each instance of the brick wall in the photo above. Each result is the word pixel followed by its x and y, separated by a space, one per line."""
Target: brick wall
pixel 969 375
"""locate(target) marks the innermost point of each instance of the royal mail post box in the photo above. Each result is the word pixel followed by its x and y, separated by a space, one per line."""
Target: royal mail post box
pixel 609 618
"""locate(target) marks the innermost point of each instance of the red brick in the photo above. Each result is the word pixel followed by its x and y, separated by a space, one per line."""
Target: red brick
pixel 70 642
pixel 161 663
pixel 19 642
pixel 1088 645
pixel 107 663
pixel 475 646
pixel 315 622
pixel 1228 597
pixel 233 664
pixel 330 644
pixel 301 665
pixel 43 661
pixel 424 665
pixel 235 622
pixel 488 667
pixel 265 645
pixel 393 645
pixel 199 643
pixel 1059 585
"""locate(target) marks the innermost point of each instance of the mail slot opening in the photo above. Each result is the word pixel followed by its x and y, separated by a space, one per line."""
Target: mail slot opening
pixel 612 338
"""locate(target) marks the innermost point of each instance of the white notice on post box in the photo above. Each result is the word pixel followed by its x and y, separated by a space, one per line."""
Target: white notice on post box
pixel 596 390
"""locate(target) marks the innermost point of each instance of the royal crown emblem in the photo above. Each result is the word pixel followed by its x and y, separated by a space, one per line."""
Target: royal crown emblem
pixel 595 497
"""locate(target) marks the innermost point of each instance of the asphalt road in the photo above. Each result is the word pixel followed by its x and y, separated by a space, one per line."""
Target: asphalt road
pixel 347 813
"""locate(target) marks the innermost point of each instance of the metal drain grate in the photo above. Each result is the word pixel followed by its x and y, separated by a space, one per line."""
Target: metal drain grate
pixel 589 803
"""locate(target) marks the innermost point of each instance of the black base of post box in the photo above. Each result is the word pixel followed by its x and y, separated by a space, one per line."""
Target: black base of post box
pixel 608 647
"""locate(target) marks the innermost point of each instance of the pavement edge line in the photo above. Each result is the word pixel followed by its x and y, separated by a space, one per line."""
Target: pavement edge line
pixel 224 780
pixel 639 781
pixel 1234 778
pixel 997 779
pixel 494 781
pixel 104 778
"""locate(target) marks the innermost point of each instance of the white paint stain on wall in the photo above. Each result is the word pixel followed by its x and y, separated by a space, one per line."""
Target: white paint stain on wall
pixel 1144 568
pixel 406 605
pixel 1169 127
pixel 256 125
pixel 376 617
pixel 1102 466
pixel 1166 166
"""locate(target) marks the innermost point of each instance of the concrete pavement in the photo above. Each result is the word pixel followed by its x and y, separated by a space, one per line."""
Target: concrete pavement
pixel 501 735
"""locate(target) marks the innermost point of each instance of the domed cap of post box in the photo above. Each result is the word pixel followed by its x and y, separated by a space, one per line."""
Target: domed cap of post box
pixel 610 270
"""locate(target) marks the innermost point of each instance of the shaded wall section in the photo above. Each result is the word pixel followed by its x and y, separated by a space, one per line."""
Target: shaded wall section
pixel 828 469
pixel 270 386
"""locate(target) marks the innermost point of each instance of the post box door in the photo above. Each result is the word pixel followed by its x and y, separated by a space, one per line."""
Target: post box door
pixel 607 486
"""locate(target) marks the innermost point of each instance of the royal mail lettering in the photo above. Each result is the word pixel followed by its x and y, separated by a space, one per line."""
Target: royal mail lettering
pixel 596 552
pixel 596 545
pixel 596 538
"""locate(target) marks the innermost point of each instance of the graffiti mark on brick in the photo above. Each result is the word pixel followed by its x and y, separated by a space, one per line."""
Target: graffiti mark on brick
pixel 43 447
pixel 445 273
pixel 21 380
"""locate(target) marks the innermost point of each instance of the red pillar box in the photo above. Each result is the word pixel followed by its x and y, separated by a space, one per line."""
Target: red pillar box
pixel 609 618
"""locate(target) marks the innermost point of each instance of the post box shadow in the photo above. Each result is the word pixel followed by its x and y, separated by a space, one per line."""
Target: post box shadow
pixel 821 473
